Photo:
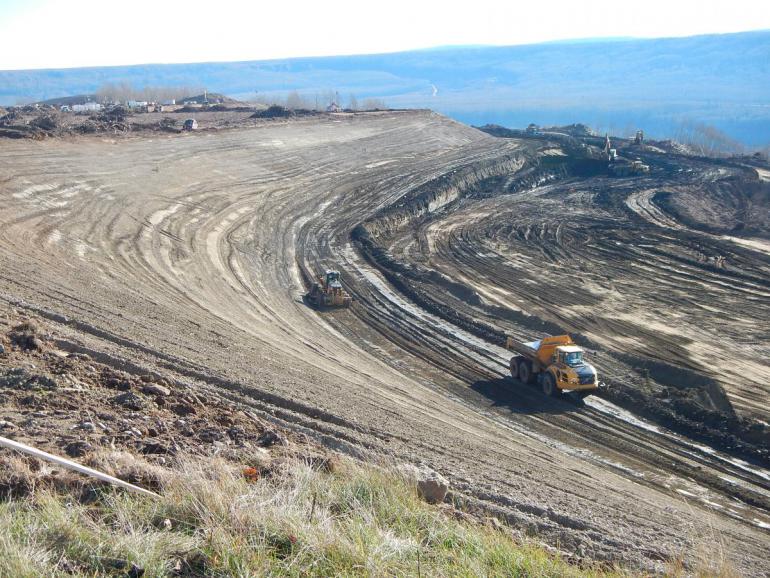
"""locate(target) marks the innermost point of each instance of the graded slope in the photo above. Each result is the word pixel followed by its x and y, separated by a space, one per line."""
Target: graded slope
pixel 187 253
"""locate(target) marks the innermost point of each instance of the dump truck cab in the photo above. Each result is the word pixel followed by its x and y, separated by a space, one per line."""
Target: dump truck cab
pixel 556 363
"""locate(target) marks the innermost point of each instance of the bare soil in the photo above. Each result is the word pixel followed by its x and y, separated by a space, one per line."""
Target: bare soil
pixel 188 255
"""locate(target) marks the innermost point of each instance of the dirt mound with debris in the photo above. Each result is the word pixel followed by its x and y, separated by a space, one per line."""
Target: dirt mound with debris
pixel 68 403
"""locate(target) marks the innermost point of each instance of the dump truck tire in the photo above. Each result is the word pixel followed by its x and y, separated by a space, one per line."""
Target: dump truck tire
pixel 549 385
pixel 525 371
pixel 514 367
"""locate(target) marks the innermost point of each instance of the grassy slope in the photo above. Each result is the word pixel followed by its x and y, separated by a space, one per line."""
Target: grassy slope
pixel 212 521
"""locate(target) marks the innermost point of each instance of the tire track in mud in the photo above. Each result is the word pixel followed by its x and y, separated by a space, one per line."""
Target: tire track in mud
pixel 463 250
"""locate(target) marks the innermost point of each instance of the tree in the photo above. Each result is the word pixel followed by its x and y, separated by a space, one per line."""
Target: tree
pixel 353 102
pixel 295 101
pixel 374 104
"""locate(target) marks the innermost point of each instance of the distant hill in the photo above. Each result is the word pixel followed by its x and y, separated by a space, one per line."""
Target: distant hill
pixel 621 84
pixel 70 100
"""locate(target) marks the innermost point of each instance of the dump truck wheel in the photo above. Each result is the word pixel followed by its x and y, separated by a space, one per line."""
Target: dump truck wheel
pixel 525 372
pixel 514 366
pixel 549 385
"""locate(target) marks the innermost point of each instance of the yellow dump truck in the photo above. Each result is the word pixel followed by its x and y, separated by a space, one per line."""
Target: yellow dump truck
pixel 555 363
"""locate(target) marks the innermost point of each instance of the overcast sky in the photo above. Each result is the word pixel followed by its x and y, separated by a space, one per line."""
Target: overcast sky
pixel 59 33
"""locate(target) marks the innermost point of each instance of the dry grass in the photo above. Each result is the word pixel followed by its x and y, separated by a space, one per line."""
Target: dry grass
pixel 295 520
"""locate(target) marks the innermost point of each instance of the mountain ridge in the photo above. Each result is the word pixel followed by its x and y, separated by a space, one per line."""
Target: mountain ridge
pixel 657 84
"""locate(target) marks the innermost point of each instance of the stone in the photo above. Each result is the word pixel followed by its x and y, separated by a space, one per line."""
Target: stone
pixel 156 389
pixel 157 448
pixel 78 449
pixel 129 400
pixel 271 438
pixel 184 409
pixel 211 435
pixel 117 383
pixel 431 486
pixel 76 355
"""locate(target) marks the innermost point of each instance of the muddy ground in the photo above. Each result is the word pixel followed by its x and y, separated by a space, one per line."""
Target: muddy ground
pixel 188 255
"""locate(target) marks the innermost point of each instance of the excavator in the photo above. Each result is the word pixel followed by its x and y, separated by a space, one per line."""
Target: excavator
pixel 328 291
pixel 555 363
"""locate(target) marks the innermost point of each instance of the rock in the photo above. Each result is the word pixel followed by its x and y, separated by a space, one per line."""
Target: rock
pixel 42 381
pixel 155 389
pixel 211 435
pixel 237 433
pixel 271 438
pixel 2 349
pixel 325 464
pixel 78 449
pixel 129 400
pixel 82 356
pixel 24 336
pixel 13 378
pixel 86 426
pixel 157 448
pixel 183 409
pixel 21 378
pixel 431 486
pixel 117 383
pixel 7 425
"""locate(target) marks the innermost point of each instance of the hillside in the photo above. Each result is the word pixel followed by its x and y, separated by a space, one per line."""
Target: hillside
pixel 186 257
pixel 719 80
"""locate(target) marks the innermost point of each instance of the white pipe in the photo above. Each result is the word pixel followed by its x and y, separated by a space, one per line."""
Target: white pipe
pixel 19 447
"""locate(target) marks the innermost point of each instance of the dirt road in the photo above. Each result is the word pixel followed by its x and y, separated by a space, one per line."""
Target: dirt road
pixel 186 254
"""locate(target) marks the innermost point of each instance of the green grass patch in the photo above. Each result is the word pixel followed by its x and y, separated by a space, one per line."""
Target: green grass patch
pixel 298 521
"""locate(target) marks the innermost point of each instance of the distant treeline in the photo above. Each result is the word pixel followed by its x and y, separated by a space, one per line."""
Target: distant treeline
pixel 321 100
pixel 708 140
pixel 123 91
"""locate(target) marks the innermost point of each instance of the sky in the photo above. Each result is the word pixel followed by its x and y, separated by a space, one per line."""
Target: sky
pixel 73 33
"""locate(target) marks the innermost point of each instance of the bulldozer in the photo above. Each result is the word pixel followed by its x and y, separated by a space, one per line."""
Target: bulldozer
pixel 327 291
pixel 555 363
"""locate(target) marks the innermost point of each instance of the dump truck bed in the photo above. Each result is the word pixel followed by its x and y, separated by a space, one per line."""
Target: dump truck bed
pixel 528 349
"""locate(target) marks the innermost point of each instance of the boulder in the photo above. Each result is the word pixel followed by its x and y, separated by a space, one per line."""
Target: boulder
pixel 431 486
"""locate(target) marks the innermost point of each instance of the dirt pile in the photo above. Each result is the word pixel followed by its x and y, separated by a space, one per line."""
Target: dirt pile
pixel 68 403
